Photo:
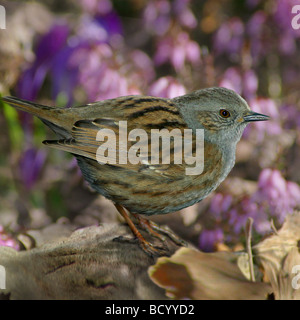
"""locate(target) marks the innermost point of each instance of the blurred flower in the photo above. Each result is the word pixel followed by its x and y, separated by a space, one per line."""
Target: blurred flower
pixel 97 6
pixel 277 196
pixel 274 199
pixel 184 13
pixel 270 127
pixel 143 68
pixel 99 28
pixel 47 49
pixel 244 83
pixel 255 29
pixel 166 87
pixel 6 240
pixel 252 3
pixel 290 116
pixel 220 204
pixel 159 14
pixel 177 51
pixel 283 17
pixel 209 238
pixel 102 74
pixel 30 166
pixel 229 38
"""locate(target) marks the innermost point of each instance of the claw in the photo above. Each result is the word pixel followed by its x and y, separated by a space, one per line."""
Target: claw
pixel 152 250
pixel 147 247
pixel 155 230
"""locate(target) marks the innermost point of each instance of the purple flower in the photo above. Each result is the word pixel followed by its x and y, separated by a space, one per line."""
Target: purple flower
pixel 283 17
pixel 48 47
pixel 274 199
pixel 291 116
pixel 255 29
pixel 160 14
pixel 252 3
pixel 184 13
pixel 177 51
pixel 219 205
pixel 100 74
pixel 157 16
pixel 232 80
pixel 97 6
pixel 275 195
pixel 260 129
pixel 244 83
pixel 209 238
pixel 143 68
pixel 166 87
pixel 229 38
pixel 30 166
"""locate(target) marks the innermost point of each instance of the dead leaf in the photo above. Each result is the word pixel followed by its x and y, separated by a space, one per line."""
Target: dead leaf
pixel 279 256
pixel 192 274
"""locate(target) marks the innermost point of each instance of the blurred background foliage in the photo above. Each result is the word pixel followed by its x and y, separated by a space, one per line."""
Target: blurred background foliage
pixel 74 52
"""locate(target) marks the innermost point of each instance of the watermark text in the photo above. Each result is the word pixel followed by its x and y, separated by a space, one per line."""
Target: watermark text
pixel 296 19
pixel 2 278
pixel 159 146
pixel 2 17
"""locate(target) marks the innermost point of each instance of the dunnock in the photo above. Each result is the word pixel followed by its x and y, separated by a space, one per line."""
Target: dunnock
pixel 146 188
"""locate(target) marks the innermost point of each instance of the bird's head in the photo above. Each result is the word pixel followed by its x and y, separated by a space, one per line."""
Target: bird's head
pixel 221 112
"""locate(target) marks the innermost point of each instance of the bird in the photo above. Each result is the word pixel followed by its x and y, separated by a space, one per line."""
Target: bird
pixel 143 189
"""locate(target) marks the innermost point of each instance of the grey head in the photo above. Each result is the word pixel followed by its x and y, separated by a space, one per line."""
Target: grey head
pixel 221 112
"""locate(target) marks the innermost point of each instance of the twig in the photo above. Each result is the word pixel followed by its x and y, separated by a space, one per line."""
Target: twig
pixel 248 247
pixel 273 227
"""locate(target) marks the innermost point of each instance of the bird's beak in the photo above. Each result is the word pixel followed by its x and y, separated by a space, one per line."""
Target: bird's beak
pixel 254 116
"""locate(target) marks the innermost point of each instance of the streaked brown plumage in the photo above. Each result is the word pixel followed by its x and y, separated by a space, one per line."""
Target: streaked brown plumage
pixel 144 188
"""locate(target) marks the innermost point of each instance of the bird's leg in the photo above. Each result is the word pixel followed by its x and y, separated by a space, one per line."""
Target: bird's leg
pixel 145 245
pixel 145 224
pixel 157 231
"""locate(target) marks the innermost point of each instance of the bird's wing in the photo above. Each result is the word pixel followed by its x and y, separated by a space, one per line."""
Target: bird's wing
pixel 145 118
pixel 102 140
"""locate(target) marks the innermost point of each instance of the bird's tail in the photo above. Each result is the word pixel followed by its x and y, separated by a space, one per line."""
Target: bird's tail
pixel 53 117
pixel 35 109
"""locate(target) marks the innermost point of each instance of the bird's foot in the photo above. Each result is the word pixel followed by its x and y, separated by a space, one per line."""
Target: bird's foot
pixel 147 247
pixel 159 232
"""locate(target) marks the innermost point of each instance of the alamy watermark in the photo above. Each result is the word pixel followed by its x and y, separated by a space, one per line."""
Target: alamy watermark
pixel 2 278
pixel 2 18
pixel 296 19
pixel 159 147
pixel 296 278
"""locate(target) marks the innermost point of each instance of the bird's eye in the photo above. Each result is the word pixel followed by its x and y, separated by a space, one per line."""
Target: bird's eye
pixel 224 113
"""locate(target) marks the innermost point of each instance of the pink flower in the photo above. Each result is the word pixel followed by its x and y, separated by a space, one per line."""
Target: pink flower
pixel 103 74
pixel 177 51
pixel 276 195
pixel 6 240
pixel 244 83
pixel 166 87
pixel 97 6
pixel 220 204
pixel 209 238
pixel 159 15
pixel 262 128
pixel 229 38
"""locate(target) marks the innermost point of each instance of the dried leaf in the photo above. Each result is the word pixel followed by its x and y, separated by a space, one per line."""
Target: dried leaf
pixel 192 274
pixel 280 257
